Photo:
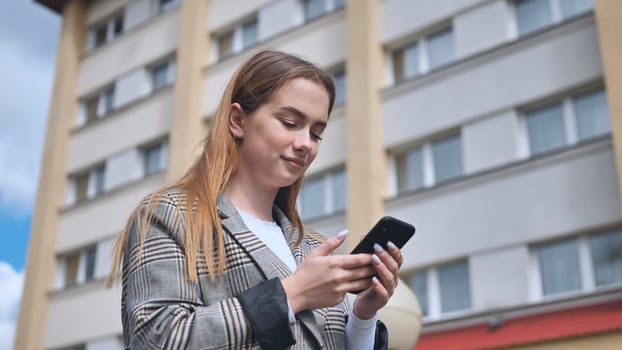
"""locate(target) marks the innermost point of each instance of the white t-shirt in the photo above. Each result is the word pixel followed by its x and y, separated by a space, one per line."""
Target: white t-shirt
pixel 359 333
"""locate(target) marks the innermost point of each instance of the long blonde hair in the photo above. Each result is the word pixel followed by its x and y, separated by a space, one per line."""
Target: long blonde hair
pixel 254 83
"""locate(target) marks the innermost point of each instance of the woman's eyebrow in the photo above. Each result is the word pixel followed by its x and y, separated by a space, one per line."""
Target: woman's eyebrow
pixel 299 114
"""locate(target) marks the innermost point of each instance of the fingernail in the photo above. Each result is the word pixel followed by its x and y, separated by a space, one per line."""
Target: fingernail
pixel 391 245
pixel 342 234
pixel 378 248
pixel 375 280
pixel 375 259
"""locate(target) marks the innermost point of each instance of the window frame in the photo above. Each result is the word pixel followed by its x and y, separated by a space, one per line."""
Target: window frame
pixel 329 206
pixel 433 285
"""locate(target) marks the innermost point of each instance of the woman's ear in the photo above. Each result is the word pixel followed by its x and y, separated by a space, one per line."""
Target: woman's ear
pixel 236 121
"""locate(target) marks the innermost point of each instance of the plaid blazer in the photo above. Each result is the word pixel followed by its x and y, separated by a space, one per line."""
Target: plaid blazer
pixel 161 309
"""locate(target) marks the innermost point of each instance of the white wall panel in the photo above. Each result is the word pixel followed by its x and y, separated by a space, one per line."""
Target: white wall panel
pixel 527 71
pixel 400 18
pixel 133 126
pixel 544 198
pixel 482 28
pixel 278 16
pixel 491 141
pixel 131 86
pixel 123 167
pixel 88 312
pixel 129 51
pixel 223 13
pixel 500 278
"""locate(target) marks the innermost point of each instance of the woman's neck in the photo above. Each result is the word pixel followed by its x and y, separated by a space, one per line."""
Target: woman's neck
pixel 246 195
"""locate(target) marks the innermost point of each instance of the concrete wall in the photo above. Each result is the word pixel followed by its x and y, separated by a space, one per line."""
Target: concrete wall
pixel 103 217
pixel 133 126
pixel 521 73
pixel 79 313
pixel 536 200
pixel 131 50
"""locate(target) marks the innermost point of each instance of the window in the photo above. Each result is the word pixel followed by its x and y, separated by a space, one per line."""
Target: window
pixel 167 4
pixel 90 255
pixel 442 290
pixel 314 8
pixel 533 15
pixel 154 158
pixel 571 120
pixel 72 263
pixel 339 77
pixel 546 129
pixel 426 53
pixel 580 264
pixel 87 184
pixel 607 257
pixel 82 186
pixel 249 33
pixel 419 285
pixel 97 106
pixel 339 3
pixel 98 175
pixel 429 164
pixel 592 113
pixel 572 8
pixel 454 286
pixel 410 169
pixel 91 106
pixel 440 48
pixel 225 45
pixel 162 74
pixel 559 267
pixel 106 31
pixel 447 155
pixel 323 195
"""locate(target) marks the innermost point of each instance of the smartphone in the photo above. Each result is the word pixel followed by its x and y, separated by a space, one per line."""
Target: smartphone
pixel 386 229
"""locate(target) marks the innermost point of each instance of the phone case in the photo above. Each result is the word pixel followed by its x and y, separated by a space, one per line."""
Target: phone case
pixel 386 229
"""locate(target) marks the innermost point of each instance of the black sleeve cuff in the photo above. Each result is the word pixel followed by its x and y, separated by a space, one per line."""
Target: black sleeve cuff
pixel 265 306
pixel 381 340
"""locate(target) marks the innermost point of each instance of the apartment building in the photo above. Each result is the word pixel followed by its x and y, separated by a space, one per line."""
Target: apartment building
pixel 492 125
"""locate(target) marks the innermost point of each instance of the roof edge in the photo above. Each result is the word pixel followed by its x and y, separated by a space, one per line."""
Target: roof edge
pixel 54 5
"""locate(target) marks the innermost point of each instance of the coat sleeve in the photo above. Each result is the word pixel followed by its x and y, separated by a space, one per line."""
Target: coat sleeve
pixel 162 309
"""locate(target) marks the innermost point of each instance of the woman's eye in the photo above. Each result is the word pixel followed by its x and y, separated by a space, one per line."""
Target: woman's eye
pixel 288 124
pixel 316 137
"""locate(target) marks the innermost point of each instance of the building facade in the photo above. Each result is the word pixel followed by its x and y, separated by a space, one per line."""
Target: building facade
pixel 492 125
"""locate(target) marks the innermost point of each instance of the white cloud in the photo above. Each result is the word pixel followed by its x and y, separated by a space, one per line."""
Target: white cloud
pixel 10 296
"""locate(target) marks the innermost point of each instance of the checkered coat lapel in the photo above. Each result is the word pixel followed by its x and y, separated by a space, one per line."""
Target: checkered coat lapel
pixel 271 265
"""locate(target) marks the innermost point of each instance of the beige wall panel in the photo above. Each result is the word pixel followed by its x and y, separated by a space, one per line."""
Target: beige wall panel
pixel 131 50
pixel 223 12
pixel 575 191
pixel 530 70
pixel 133 126
pixel 101 9
pixel 329 226
pixel 96 220
pixel 322 42
pixel 86 312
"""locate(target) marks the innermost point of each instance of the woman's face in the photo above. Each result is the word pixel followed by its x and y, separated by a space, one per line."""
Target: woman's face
pixel 280 138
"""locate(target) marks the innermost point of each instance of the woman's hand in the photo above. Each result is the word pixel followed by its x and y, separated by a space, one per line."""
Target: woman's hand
pixel 386 264
pixel 322 280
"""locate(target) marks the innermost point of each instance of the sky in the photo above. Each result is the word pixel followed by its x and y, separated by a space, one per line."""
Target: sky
pixel 28 38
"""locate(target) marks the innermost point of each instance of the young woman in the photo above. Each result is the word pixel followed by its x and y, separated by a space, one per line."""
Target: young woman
pixel 219 259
